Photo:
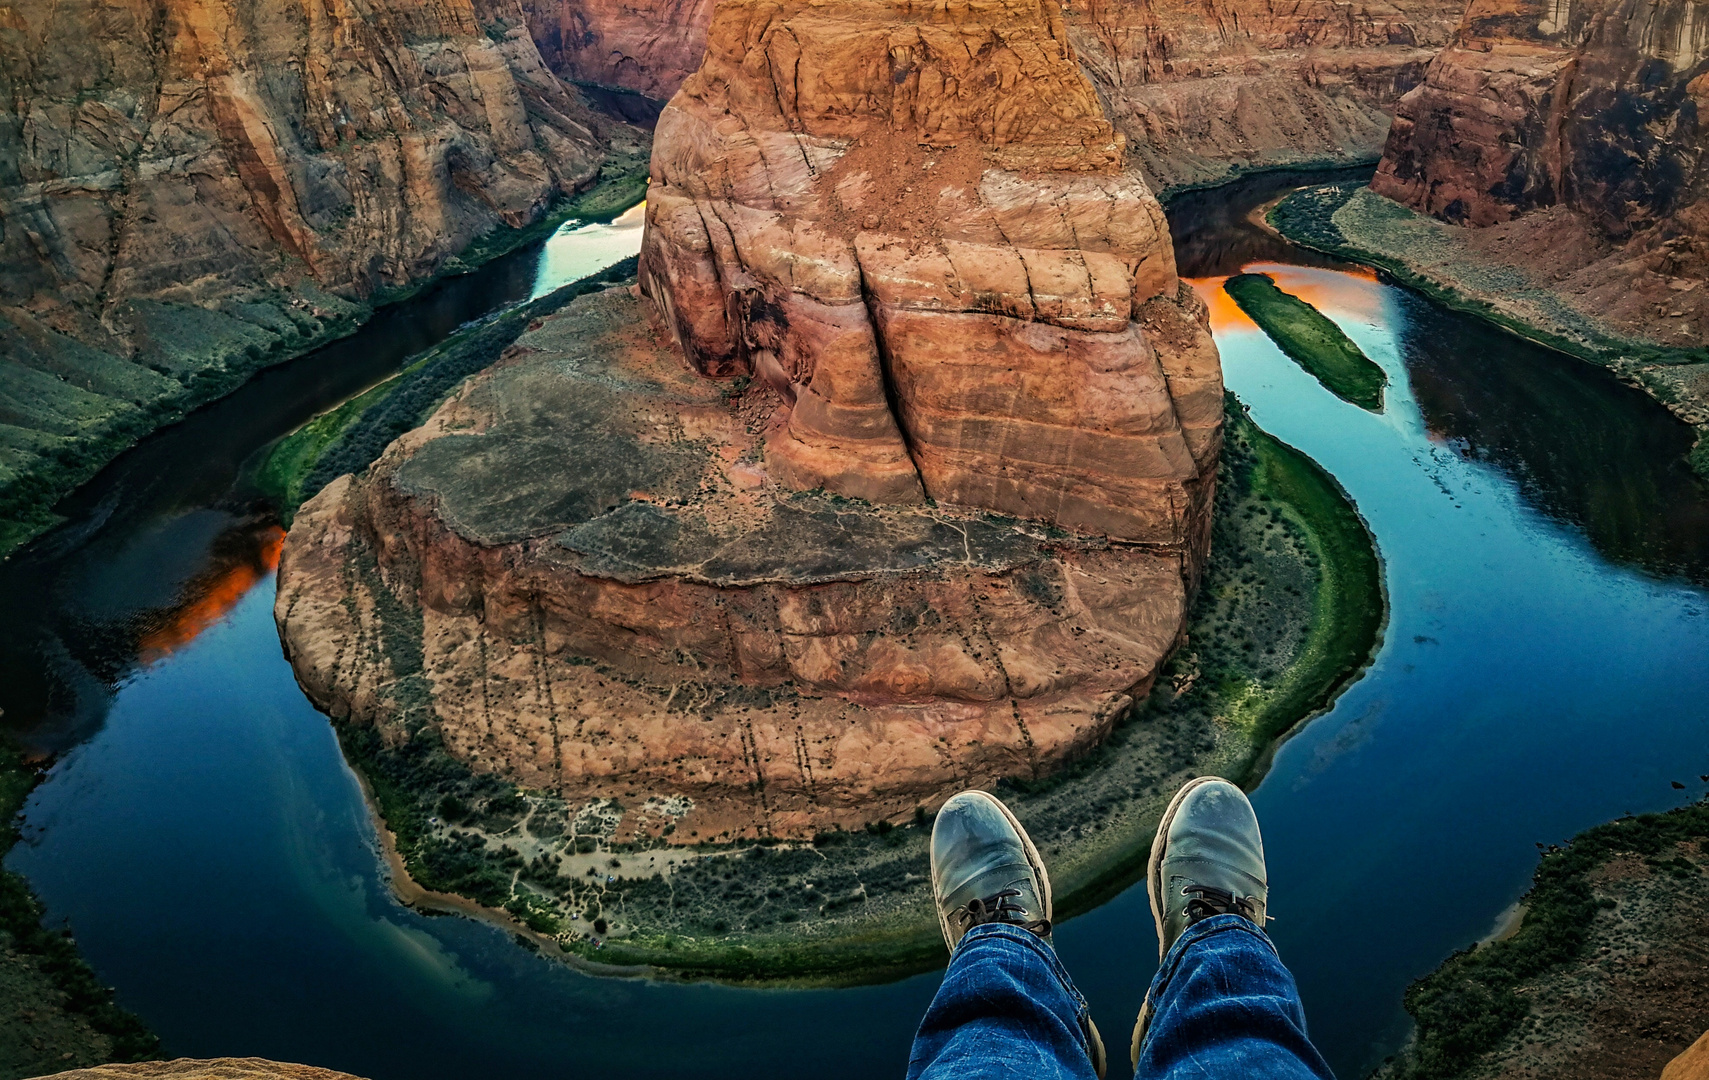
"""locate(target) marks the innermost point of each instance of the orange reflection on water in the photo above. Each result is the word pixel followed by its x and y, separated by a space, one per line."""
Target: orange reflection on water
pixel 210 596
pixel 1226 316
pixel 1351 294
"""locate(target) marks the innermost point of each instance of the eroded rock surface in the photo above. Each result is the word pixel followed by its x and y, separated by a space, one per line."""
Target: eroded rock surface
pixel 1570 134
pixel 204 1069
pixel 919 229
pixel 1590 104
pixel 647 48
pixel 1201 90
pixel 213 153
pixel 578 574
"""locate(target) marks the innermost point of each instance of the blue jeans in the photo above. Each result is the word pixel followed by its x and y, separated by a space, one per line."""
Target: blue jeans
pixel 1222 1007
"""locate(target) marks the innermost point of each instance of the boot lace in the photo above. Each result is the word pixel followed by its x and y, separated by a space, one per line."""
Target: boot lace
pixel 1000 907
pixel 1206 901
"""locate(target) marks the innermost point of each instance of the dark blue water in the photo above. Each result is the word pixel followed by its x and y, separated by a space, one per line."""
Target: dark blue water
pixel 1546 667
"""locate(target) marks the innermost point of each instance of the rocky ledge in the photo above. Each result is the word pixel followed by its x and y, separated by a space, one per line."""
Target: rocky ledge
pixel 1565 142
pixel 579 569
pixel 1543 276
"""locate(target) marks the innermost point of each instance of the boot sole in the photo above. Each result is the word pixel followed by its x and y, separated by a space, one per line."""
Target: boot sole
pixel 1153 890
pixel 1034 860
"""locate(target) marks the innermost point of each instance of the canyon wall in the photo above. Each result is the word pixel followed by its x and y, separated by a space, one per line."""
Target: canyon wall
pixel 1593 105
pixel 1203 90
pixel 215 153
pixel 645 48
pixel 1200 90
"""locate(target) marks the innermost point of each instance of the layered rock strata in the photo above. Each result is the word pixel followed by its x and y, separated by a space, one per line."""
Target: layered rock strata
pixel 732 546
pixel 648 49
pixel 920 230
pixel 1590 104
pixel 1200 90
pixel 578 575
pixel 188 151
pixel 193 189
pixel 1204 90
pixel 1571 136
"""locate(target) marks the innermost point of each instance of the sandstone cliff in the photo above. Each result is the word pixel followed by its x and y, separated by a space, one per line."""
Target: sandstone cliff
pixel 920 231
pixel 742 558
pixel 1574 128
pixel 1589 104
pixel 578 575
pixel 183 152
pixel 646 48
pixel 193 188
pixel 1202 90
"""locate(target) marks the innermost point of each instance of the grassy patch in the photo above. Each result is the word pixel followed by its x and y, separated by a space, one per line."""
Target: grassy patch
pixel 348 439
pixel 1348 608
pixel 1311 340
pixel 1307 217
pixel 44 974
pixel 1469 1005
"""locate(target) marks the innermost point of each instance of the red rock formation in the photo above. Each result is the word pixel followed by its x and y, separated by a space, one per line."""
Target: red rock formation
pixel 918 228
pixel 1203 89
pixel 1692 1064
pixel 1199 90
pixel 578 574
pixel 1594 105
pixel 206 151
pixel 648 48
pixel 203 1069
pixel 915 232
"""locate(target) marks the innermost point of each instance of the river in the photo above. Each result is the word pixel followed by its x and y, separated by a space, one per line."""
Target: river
pixel 1545 668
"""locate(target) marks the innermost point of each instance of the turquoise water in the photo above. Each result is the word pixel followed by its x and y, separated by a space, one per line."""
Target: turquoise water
pixel 1546 667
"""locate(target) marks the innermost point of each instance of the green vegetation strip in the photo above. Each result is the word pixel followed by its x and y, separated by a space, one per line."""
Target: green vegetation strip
pixel 1260 477
pixel 1311 340
pixel 58 969
pixel 1290 610
pixel 67 409
pixel 1350 607
pixel 1470 1004
pixel 1307 218
pixel 349 438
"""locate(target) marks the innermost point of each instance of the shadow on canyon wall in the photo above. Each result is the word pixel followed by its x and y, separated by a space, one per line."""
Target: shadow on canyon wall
pixel 1583 448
